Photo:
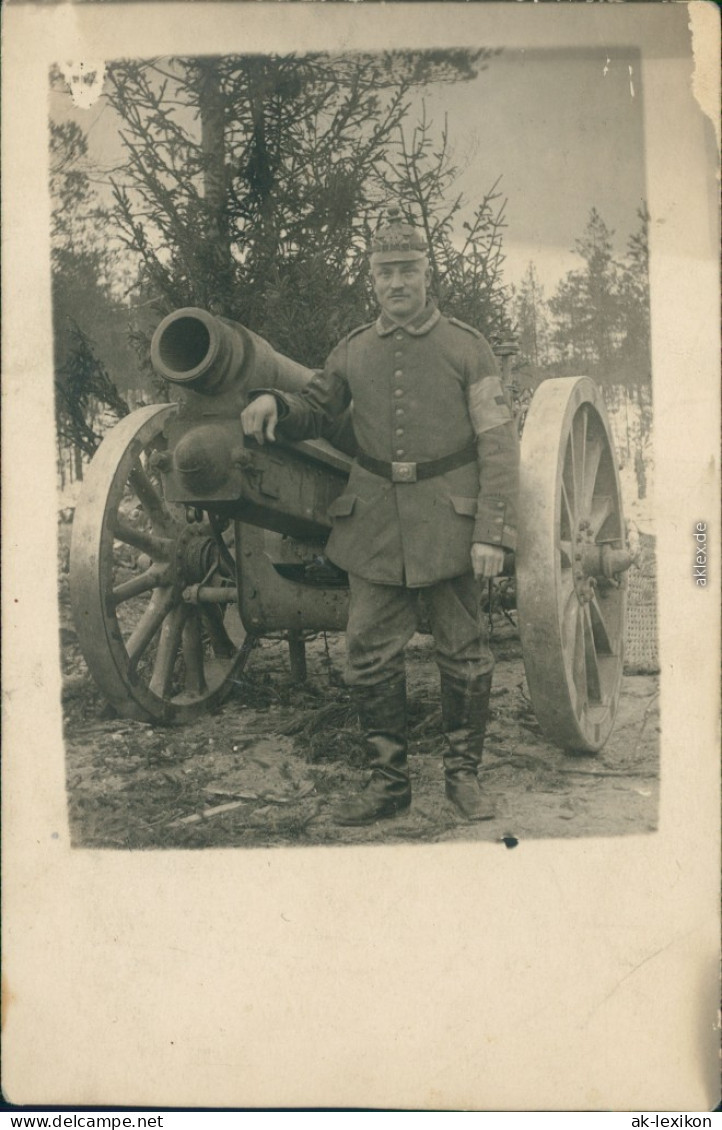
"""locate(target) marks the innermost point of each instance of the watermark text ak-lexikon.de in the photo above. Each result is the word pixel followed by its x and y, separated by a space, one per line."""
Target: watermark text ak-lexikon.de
pixel 671 1120
pixel 700 555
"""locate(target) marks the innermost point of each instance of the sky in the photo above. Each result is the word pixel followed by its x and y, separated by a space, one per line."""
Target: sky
pixel 562 129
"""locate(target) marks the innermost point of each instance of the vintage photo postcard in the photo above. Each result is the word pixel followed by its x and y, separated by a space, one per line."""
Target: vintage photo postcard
pixel 361 555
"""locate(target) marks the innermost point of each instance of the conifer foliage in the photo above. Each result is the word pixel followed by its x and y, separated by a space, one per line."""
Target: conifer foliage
pixel 597 321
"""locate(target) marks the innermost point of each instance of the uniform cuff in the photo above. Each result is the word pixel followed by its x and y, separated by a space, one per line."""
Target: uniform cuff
pixel 489 525
pixel 508 537
pixel 283 408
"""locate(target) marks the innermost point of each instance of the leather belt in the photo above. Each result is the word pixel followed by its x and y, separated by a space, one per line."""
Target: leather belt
pixel 413 472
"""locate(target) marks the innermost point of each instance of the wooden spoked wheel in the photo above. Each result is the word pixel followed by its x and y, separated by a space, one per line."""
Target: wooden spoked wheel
pixel 154 595
pixel 570 563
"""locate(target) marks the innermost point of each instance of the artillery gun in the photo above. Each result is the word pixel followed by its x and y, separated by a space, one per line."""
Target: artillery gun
pixel 191 542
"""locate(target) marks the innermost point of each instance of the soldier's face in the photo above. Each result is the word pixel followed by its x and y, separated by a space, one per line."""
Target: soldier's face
pixel 401 288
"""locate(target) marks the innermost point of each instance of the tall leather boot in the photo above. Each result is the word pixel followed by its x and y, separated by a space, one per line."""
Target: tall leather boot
pixel 382 714
pixel 464 713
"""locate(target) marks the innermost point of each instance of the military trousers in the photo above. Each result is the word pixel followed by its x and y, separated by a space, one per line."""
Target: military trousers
pixel 383 618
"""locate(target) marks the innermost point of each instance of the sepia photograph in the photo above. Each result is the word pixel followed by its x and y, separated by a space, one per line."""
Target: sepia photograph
pixel 281 639
pixel 361 555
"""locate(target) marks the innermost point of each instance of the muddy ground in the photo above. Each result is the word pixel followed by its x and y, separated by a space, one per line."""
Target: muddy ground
pixel 266 769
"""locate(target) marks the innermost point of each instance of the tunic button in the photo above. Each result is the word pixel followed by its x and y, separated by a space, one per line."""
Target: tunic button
pixel 399 431
pixel 398 411
pixel 398 373
pixel 398 392
pixel 398 353
pixel 398 335
pixel 399 451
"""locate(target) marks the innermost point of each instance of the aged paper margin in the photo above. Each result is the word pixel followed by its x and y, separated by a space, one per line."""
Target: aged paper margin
pixel 575 974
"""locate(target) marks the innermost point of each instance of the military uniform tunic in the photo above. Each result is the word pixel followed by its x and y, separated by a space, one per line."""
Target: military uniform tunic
pixel 420 392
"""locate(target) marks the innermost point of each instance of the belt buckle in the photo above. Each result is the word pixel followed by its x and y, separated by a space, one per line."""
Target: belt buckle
pixel 403 472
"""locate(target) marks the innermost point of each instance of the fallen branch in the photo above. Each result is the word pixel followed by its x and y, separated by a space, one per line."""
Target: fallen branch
pixel 196 817
pixel 219 809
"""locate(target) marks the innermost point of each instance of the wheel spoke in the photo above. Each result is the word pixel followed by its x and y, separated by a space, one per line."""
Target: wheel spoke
pixel 569 510
pixel 152 502
pixel 602 639
pixel 594 683
pixel 158 548
pixel 566 592
pixel 158 608
pixel 193 654
pixel 168 645
pixel 579 665
pixel 602 507
pixel 566 550
pixel 592 459
pixel 146 581
pixel 222 644
pixel 570 618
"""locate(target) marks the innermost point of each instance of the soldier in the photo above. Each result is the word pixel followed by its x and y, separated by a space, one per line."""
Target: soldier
pixel 429 506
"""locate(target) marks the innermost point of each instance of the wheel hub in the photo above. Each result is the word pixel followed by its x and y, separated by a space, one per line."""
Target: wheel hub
pixel 196 556
pixel 595 562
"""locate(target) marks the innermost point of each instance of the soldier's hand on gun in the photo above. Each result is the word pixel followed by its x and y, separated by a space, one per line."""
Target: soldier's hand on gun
pixel 487 561
pixel 260 417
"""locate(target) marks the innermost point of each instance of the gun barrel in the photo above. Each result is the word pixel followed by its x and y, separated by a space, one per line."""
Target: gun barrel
pixel 196 350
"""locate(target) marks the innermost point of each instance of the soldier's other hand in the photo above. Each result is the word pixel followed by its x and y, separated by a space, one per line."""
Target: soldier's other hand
pixel 259 418
pixel 487 561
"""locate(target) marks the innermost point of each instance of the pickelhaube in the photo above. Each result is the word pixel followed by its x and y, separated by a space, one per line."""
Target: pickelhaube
pixel 396 240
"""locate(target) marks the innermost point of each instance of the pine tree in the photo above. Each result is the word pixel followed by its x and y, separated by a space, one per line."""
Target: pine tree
pixel 635 362
pixel 532 324
pixel 252 183
pixel 635 346
pixel 88 323
pixel 588 308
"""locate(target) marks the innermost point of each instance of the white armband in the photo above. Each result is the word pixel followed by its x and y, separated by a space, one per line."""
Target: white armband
pixel 487 405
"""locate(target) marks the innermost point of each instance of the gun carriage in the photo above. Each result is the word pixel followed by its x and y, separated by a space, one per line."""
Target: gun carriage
pixel 190 541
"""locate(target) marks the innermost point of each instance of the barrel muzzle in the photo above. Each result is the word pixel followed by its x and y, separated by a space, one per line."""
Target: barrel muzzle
pixel 211 355
pixel 193 349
